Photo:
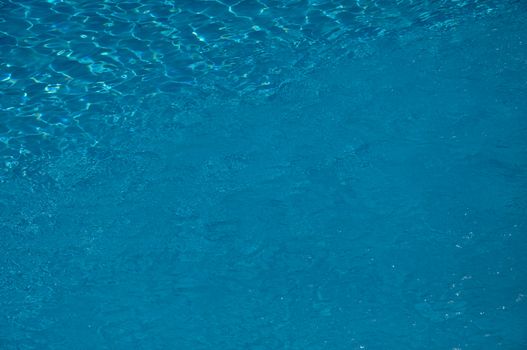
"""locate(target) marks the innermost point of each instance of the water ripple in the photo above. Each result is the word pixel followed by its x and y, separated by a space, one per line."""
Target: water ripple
pixel 68 68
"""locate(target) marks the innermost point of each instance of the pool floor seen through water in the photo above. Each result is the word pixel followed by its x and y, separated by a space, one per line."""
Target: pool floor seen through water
pixel 263 175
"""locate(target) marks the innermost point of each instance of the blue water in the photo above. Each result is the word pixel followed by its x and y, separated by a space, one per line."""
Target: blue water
pixel 263 174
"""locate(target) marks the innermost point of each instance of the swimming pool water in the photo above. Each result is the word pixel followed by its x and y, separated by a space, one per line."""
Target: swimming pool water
pixel 294 174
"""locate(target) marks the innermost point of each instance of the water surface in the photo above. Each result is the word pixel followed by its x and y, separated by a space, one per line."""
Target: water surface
pixel 263 175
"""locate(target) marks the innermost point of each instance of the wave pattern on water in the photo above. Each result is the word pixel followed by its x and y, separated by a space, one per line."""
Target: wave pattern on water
pixel 70 69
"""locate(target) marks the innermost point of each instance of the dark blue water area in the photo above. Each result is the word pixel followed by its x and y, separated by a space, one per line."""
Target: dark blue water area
pixel 263 174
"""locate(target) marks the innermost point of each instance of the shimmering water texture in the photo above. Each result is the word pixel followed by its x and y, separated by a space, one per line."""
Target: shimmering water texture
pixel 297 175
pixel 70 68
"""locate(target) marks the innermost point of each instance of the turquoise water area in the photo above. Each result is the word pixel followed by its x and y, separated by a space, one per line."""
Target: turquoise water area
pixel 263 174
